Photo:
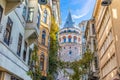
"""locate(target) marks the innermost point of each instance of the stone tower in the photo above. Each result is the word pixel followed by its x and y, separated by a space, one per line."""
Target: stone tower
pixel 70 43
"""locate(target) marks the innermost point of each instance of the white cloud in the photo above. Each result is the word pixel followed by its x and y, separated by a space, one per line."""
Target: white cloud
pixel 84 11
pixel 78 16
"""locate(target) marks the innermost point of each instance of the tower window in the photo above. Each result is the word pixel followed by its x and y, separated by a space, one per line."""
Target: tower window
pixel 69 39
pixel 75 39
pixel 70 52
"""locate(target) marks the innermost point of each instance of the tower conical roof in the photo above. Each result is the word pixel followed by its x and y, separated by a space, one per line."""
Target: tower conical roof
pixel 69 22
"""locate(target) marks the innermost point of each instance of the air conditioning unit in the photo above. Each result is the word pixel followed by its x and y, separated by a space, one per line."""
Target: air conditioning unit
pixel 42 2
pixel 106 2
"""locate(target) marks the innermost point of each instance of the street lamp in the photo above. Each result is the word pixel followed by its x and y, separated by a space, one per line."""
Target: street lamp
pixel 106 2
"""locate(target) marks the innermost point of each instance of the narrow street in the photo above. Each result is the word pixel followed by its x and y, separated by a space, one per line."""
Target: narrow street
pixel 59 39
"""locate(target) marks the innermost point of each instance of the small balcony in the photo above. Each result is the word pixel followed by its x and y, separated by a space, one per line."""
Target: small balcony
pixel 11 5
pixel 31 32
pixel 33 22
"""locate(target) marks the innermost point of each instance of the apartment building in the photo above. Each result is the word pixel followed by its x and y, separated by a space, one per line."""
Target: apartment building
pixel 51 9
pixel 82 26
pixel 90 36
pixel 107 23
pixel 19 28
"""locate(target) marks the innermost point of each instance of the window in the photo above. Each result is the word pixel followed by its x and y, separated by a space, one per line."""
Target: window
pixel 7 33
pixel 75 39
pixel 38 19
pixel 25 51
pixel 19 45
pixel 15 78
pixel 1 12
pixel 96 63
pixel 69 38
pixel 42 62
pixel 30 51
pixel 93 29
pixel 75 48
pixel 70 52
pixel 45 16
pixel 43 37
pixel 69 31
pixel 30 14
pixel 64 39
pixel 24 12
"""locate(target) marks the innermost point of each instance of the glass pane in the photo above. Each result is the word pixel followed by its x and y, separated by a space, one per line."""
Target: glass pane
pixel 1 11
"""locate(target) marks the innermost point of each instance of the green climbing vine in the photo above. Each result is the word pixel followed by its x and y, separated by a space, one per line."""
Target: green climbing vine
pixel 34 70
pixel 53 62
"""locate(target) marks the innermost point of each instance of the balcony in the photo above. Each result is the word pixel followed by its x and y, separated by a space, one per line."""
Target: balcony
pixel 31 32
pixel 11 5
pixel 33 22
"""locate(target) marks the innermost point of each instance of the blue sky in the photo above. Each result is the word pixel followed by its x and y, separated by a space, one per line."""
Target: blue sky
pixel 80 10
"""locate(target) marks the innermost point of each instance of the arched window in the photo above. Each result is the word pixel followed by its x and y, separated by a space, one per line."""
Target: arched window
pixel 64 39
pixel 43 37
pixel 45 16
pixel 69 31
pixel 70 52
pixel 79 40
pixel 42 59
pixel 75 39
pixel 69 39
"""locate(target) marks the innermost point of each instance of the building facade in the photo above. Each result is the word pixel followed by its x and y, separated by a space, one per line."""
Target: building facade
pixel 18 30
pixel 82 26
pixel 90 36
pixel 52 9
pixel 70 43
pixel 108 39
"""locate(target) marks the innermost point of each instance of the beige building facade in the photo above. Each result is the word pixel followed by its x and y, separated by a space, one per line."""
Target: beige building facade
pixel 51 9
pixel 90 37
pixel 108 39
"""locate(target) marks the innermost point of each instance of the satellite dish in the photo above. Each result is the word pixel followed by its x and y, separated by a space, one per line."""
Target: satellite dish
pixel 106 2
pixel 42 2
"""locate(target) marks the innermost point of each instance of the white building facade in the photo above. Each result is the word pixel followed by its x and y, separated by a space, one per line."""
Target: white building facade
pixel 19 28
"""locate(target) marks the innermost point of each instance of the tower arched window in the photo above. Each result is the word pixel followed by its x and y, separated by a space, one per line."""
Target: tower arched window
pixel 64 39
pixel 70 52
pixel 79 40
pixel 42 59
pixel 43 37
pixel 69 39
pixel 45 16
pixel 75 39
